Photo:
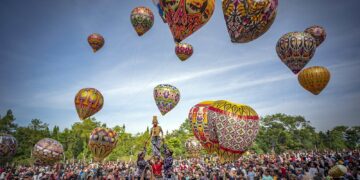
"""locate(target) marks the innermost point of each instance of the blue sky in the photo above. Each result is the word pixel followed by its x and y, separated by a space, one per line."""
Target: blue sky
pixel 45 59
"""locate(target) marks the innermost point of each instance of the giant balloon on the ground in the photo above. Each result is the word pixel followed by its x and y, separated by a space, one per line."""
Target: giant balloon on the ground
pixel 236 125
pixel 201 127
pixel 48 151
pixel 8 145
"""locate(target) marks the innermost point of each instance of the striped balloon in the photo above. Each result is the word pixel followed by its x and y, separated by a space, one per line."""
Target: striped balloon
pixel 314 79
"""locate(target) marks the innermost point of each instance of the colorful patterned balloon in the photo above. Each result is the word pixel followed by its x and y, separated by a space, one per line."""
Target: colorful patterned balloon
pixel 96 41
pixel 142 19
pixel 314 79
pixel 318 33
pixel 184 17
pixel 338 171
pixel 247 20
pixel 183 51
pixel 8 146
pixel 236 126
pixel 296 49
pixel 48 151
pixel 88 101
pixel 193 147
pixel 102 142
pixel 166 97
pixel 203 130
pixel 161 12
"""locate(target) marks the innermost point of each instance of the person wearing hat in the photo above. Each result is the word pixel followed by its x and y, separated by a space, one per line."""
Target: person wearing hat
pixel 156 135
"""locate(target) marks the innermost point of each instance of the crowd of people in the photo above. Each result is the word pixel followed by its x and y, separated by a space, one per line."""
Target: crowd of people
pixel 293 166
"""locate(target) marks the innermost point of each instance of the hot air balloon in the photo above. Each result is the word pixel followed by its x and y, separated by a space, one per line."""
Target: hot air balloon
pixel 183 51
pixel 88 101
pixel 314 79
pixel 102 142
pixel 193 147
pixel 318 33
pixel 48 150
pixel 203 130
pixel 142 19
pixel 184 17
pixel 166 97
pixel 96 41
pixel 338 171
pixel 236 126
pixel 296 49
pixel 8 145
pixel 161 12
pixel 247 20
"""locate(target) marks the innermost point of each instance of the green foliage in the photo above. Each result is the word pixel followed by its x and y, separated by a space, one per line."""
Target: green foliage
pixel 279 131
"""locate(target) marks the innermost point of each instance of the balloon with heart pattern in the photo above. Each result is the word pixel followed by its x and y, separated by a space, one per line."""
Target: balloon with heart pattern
pixel 247 20
pixel 184 17
pixel 142 19
pixel 314 79
pixel 166 97
pixel 96 41
pixel 183 51
pixel 88 101
pixel 318 33
pixel 295 49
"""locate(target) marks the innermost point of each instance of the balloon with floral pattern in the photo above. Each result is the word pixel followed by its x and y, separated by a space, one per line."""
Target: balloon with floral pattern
pixel 166 97
pixel 142 19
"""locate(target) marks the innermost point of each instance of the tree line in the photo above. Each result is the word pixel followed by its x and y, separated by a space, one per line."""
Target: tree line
pixel 278 133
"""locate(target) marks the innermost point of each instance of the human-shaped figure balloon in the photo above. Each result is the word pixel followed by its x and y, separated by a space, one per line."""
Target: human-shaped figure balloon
pixel 156 135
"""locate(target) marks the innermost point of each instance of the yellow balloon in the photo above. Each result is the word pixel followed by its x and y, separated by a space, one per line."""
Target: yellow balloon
pixel 314 79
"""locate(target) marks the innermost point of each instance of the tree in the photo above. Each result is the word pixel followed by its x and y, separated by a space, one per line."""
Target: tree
pixel 7 124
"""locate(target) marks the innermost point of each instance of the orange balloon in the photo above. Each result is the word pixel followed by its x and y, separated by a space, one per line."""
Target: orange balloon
pixel 314 79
